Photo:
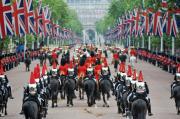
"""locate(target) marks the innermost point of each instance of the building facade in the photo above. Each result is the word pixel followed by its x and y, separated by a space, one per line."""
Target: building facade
pixel 89 12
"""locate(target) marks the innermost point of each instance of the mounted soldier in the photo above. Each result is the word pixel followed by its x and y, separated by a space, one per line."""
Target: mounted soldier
pixel 32 93
pixel 176 82
pixel 141 91
pixel 5 82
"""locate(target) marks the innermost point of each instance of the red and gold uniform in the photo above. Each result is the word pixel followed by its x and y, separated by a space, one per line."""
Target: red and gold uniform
pixel 82 71
pixel 97 71
pixel 63 70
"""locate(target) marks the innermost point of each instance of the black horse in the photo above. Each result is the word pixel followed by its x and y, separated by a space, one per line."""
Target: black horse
pixel 4 100
pixel 42 58
pixel 54 86
pixel 139 109
pixel 89 87
pixel 119 98
pixel 27 63
pixel 69 87
pixel 105 88
pixel 176 90
pixel 1 101
pixel 62 91
pixel 31 110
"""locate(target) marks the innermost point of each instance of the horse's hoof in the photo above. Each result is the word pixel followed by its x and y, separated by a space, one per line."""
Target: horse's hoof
pixel 67 105
pixel 104 105
pixel 107 106
pixel 5 113
pixel 89 105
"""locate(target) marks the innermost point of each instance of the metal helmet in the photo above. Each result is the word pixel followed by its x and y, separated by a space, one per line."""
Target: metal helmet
pixel 32 89
pixel 90 71
pixel 128 81
pixel 123 76
pixel 54 72
pixel 2 78
pixel 105 71
pixel 70 71
pixel 140 87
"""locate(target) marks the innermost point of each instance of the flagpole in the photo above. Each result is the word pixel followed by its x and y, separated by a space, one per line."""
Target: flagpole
pixel 142 41
pixel 149 43
pixel 11 44
pixel 129 40
pixel 173 46
pixel 48 41
pixel 25 43
pixel 161 44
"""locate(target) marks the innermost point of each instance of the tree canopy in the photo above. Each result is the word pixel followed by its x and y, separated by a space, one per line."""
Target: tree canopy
pixel 118 8
pixel 62 14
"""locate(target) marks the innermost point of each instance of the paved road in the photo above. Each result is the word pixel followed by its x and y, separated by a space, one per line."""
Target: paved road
pixel 159 84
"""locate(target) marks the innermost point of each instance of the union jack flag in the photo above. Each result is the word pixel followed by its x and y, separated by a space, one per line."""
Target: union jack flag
pixel 18 17
pixel 144 28
pixel 56 30
pixel 136 26
pixel 46 21
pixel 6 27
pixel 172 28
pixel 151 15
pixel 157 28
pixel 38 18
pixel 29 16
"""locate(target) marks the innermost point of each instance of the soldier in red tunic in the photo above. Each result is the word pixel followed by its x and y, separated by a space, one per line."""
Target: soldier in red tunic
pixel 115 60
pixel 97 69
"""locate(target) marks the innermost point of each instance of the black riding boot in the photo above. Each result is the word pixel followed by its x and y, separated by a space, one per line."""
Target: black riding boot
pixel 172 94
pixel 149 109
pixel 22 112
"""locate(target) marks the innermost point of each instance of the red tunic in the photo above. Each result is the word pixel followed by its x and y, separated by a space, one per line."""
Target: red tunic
pixel 63 70
pixel 54 55
pixel 82 71
pixel 116 56
pixel 97 71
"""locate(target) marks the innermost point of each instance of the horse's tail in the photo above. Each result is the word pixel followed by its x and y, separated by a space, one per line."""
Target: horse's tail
pixel 54 89
pixel 30 109
pixel 86 88
pixel 139 109
pixel 105 86
pixel 69 86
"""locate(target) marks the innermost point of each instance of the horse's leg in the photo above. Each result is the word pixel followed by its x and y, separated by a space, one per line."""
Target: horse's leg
pixel 52 102
pixel 5 108
pixel 71 101
pixel 108 95
pixel 56 101
pixel 67 101
pixel 82 93
pixel 104 99
pixel 88 101
pixel 79 93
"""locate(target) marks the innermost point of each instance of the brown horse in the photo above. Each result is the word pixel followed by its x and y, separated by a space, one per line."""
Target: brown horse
pixel 81 87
